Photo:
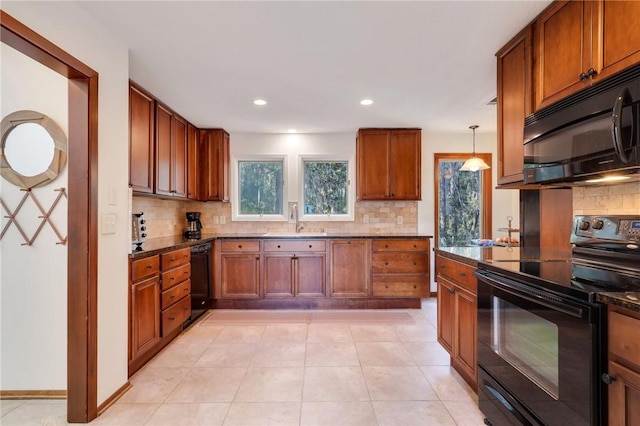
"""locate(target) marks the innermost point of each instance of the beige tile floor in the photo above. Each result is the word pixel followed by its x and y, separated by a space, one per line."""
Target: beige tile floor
pixel 294 369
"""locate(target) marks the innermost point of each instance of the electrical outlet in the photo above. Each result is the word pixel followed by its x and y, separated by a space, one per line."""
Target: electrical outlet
pixel 399 220
pixel 222 220
pixel 216 220
pixel 365 219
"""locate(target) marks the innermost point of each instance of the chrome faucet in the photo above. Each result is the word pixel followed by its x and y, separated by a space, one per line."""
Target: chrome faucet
pixel 294 214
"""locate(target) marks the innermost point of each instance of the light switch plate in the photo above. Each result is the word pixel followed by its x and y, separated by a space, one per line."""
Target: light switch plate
pixel 108 225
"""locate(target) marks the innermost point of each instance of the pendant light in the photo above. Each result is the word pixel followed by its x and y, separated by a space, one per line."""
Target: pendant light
pixel 474 163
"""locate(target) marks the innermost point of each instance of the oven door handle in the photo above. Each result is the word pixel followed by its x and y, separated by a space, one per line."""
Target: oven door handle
pixel 532 295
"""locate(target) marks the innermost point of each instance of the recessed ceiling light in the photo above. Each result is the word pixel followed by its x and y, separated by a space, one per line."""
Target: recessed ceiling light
pixel 292 131
pixel 260 102
pixel 366 102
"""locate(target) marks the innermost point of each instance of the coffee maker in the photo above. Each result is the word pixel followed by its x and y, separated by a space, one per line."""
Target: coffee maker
pixel 194 226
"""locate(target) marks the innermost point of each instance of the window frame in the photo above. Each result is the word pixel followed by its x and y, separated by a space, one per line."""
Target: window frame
pixel 351 192
pixel 235 188
pixel 487 190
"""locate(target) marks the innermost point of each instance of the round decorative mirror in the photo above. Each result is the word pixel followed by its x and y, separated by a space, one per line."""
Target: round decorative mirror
pixel 33 149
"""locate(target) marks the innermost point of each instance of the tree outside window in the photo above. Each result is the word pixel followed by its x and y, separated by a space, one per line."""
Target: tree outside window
pixel 261 187
pixel 325 187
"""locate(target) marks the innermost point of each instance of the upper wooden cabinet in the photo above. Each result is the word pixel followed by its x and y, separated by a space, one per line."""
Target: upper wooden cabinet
pixel 515 89
pixel 578 43
pixel 193 159
pixel 141 142
pixel 214 165
pixel 171 153
pixel 388 164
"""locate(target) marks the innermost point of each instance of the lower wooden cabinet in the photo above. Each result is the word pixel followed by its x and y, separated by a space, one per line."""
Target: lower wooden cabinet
pixel 400 268
pixel 457 310
pixel 159 303
pixel 623 370
pixel 294 268
pixel 350 268
pixel 240 269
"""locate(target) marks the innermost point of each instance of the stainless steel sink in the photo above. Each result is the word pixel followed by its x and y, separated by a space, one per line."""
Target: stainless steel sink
pixel 295 235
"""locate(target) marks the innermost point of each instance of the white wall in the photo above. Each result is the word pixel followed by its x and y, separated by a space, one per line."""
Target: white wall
pixel 33 279
pixel 505 202
pixel 67 25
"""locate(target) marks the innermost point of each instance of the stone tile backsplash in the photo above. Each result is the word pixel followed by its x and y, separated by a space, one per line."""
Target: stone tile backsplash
pixel 166 217
pixel 607 199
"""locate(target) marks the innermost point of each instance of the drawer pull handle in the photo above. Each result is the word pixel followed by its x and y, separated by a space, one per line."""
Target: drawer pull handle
pixel 172 318
pixel 149 266
pixel 415 246
pixel 257 257
pixel 172 297
pixel 386 286
pixel 608 379
pixel 172 260
pixel 186 272
pixel 186 290
pixel 172 278
pixel 462 274
pixel 386 246
pixel 443 266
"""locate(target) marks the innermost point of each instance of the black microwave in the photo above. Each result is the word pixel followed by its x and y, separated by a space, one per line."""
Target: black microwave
pixel 590 137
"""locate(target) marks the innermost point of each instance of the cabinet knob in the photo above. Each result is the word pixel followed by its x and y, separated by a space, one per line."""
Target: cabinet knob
pixel 172 260
pixel 415 287
pixel 591 72
pixel 386 286
pixel 608 379
pixel 239 245
pixel 278 245
pixel 583 76
pixel 172 318
pixel 172 297
pixel 257 257
pixel 310 246
pixel 186 272
pixel 415 263
pixel 451 291
pixel 462 274
pixel 186 290
pixel 386 246
pixel 149 266
pixel 386 263
pixel 443 266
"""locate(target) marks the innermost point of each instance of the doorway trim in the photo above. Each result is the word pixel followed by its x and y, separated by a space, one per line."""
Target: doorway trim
pixel 82 246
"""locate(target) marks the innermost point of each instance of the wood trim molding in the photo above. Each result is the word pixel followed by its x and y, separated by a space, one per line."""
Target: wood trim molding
pixel 114 398
pixel 33 394
pixel 82 351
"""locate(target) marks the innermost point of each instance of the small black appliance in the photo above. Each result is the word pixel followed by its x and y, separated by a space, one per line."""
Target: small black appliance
pixel 194 226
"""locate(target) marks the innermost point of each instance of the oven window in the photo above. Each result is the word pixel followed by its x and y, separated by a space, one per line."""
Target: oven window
pixel 528 342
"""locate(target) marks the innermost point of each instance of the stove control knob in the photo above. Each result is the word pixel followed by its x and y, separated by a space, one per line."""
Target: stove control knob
pixel 598 224
pixel 583 225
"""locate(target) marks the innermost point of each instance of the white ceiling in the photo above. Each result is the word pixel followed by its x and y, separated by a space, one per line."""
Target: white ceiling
pixel 428 64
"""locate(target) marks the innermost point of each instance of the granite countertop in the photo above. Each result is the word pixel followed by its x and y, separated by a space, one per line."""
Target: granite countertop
pixel 153 246
pixel 627 299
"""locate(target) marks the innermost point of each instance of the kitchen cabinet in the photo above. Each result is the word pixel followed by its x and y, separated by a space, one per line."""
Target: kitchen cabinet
pixel 193 166
pixel 171 153
pixel 623 370
pixel 457 310
pixel 141 142
pixel 350 267
pixel 388 164
pixel 400 268
pixel 294 268
pixel 578 43
pixel 515 91
pixel 240 269
pixel 144 305
pixel 214 163
pixel 176 289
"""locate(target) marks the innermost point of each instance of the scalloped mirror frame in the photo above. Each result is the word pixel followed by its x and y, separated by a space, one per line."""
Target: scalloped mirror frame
pixel 58 160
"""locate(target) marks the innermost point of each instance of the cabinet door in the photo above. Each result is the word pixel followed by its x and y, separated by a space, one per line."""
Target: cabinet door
pixel 164 134
pixel 464 353
pixel 193 168
pixel 620 37
pixel 563 50
pixel 404 167
pixel 446 311
pixel 240 276
pixel 145 315
pixel 624 396
pixel 179 166
pixel 141 127
pixel 350 268
pixel 214 153
pixel 514 104
pixel 310 271
pixel 278 275
pixel 372 164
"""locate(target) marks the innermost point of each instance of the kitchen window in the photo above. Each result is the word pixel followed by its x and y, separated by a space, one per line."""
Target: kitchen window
pixel 325 190
pixel 260 189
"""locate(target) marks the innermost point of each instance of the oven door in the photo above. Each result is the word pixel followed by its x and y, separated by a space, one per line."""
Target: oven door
pixel 538 355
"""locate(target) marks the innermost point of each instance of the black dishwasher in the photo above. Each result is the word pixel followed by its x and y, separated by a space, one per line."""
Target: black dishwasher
pixel 200 279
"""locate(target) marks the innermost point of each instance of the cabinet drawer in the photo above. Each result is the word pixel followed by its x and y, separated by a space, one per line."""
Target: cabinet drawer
pixel 295 246
pixel 400 245
pixel 175 293
pixel 175 276
pixel 622 340
pixel 400 263
pixel 178 313
pixel 240 246
pixel 457 272
pixel 400 285
pixel 145 267
pixel 176 258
